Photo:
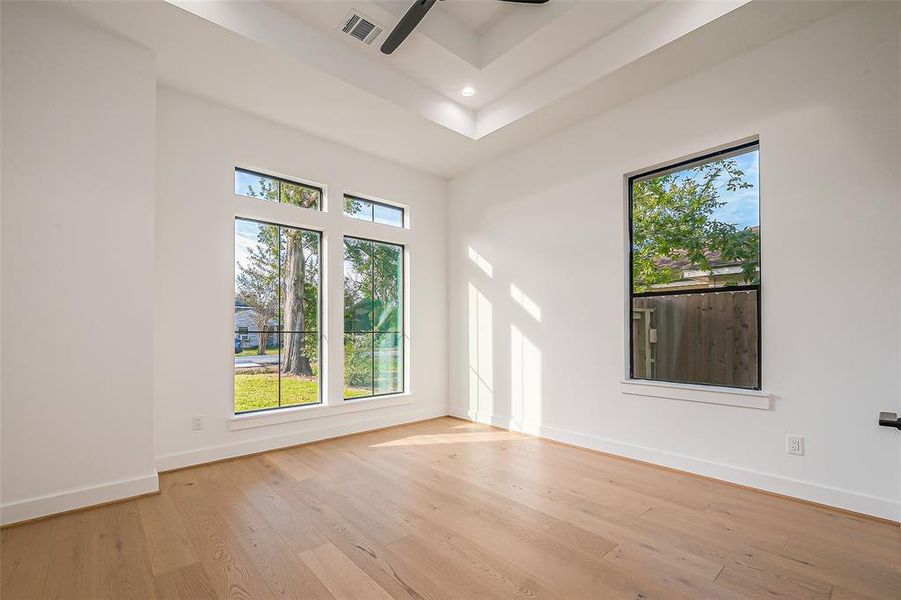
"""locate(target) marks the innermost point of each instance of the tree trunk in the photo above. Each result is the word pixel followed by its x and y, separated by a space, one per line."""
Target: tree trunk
pixel 262 338
pixel 294 362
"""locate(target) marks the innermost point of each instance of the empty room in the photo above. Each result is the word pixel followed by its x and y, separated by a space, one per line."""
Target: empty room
pixel 450 299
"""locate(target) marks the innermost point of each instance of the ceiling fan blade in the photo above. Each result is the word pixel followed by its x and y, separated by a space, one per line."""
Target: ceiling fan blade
pixel 406 25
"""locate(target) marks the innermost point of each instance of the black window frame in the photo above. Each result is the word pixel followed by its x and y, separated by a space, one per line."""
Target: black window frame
pixel 279 331
pixel 374 203
pixel 280 181
pixel 758 287
pixel 402 320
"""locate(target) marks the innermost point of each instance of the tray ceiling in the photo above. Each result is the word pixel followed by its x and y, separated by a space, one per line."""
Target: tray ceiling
pixel 535 68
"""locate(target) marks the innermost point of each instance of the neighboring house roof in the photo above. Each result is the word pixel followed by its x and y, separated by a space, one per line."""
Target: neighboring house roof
pixel 249 318
pixel 715 258
pixel 693 275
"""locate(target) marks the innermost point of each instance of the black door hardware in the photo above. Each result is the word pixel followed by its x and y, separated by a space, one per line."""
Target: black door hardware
pixel 887 419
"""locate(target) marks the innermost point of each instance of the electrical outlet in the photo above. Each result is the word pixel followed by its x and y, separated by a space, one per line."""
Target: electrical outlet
pixel 197 422
pixel 794 444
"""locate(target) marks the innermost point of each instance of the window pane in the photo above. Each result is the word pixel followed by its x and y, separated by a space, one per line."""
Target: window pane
pixel 388 286
pixel 300 195
pixel 373 317
pixel 357 208
pixel 388 215
pixel 256 371
pixel 708 338
pixel 357 364
pixel 256 276
pixel 299 368
pixel 358 304
pixel 299 280
pixel 256 185
pixel 697 226
pixel 388 363
pixel 277 285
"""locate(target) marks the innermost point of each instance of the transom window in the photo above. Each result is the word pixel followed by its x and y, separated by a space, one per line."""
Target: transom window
pixel 375 212
pixel 276 189
pixel 277 316
pixel 695 271
pixel 373 318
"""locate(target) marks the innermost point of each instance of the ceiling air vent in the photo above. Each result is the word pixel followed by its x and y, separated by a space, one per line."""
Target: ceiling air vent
pixel 360 27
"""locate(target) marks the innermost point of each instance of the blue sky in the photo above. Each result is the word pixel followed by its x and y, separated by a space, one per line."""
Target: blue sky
pixel 742 207
pixel 245 238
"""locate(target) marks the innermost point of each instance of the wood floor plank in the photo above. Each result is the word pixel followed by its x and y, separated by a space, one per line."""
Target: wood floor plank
pixel 74 568
pixel 648 557
pixel 350 538
pixel 344 579
pixel 298 532
pixel 186 583
pixel 757 583
pixel 168 546
pixel 228 500
pixel 228 567
pixel 25 557
pixel 287 574
pixel 79 522
pixel 746 534
pixel 291 465
pixel 124 567
pixel 256 489
pixel 449 509
pixel 473 571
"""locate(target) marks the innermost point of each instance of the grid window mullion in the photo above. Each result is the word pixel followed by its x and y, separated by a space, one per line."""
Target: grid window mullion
pixel 378 308
pixel 294 378
pixel 279 315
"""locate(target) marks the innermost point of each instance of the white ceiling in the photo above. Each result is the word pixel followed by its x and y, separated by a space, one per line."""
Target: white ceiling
pixel 477 16
pixel 536 68
pixel 490 45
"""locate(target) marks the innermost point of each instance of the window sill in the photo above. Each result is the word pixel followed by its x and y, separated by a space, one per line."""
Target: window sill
pixel 698 393
pixel 316 411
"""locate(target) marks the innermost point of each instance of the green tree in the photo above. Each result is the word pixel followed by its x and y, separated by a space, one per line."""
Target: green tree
pixel 673 218
pixel 372 303
pixel 257 280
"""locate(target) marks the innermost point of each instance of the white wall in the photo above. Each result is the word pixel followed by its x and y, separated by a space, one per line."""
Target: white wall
pixel 77 234
pixel 199 144
pixel 549 219
pixel 117 233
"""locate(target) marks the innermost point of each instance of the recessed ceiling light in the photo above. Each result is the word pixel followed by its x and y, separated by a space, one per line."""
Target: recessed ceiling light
pixel 468 91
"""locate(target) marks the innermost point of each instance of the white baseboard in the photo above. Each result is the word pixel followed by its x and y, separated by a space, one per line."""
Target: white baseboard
pixel 214 453
pixel 884 508
pixel 42 506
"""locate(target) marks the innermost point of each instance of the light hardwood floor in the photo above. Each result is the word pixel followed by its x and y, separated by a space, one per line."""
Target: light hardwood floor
pixel 449 509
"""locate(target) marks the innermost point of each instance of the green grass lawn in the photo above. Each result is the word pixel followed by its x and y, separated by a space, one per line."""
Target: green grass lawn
pixel 355 392
pixel 259 391
pixel 253 351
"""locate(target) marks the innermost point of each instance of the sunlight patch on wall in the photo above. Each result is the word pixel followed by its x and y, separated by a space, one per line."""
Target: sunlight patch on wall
pixel 481 358
pixel 480 262
pixel 524 301
pixel 525 381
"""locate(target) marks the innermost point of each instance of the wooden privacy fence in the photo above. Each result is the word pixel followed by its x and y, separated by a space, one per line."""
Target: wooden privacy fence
pixel 697 338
